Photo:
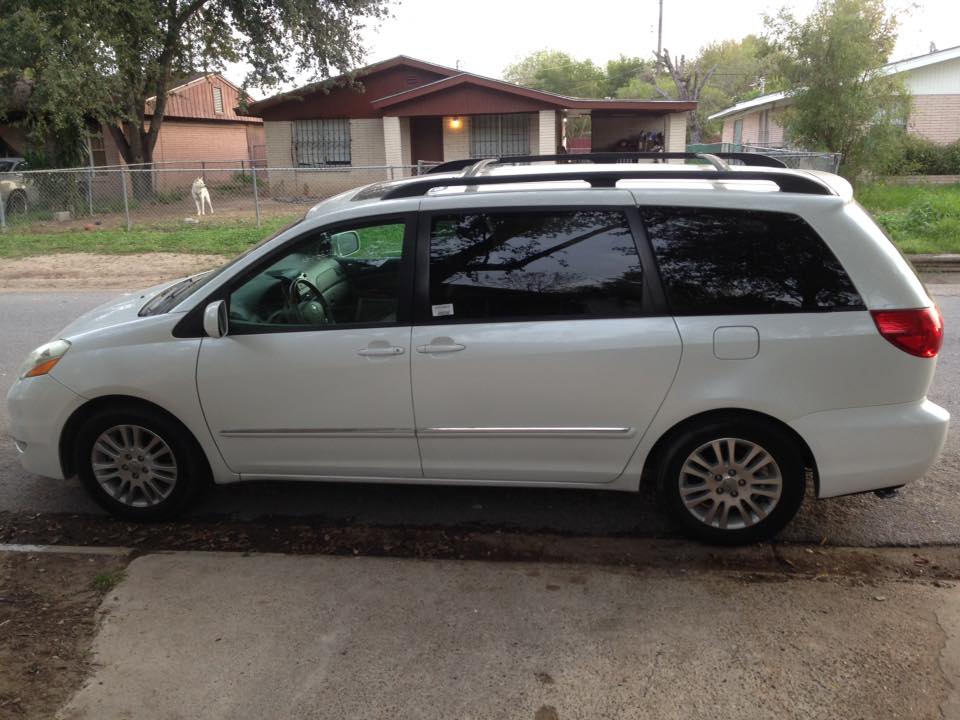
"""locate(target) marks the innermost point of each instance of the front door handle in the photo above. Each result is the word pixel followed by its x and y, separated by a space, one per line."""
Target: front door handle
pixel 380 351
pixel 440 348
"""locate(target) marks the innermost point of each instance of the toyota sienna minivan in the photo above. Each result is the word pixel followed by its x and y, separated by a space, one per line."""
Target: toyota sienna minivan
pixel 739 335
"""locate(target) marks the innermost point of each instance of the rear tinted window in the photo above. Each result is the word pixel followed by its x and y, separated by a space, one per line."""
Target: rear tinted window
pixel 745 261
pixel 534 264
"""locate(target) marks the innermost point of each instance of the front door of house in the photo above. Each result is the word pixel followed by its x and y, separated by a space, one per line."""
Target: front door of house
pixel 426 139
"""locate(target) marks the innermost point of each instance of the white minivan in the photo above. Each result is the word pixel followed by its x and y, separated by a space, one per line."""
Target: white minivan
pixel 731 333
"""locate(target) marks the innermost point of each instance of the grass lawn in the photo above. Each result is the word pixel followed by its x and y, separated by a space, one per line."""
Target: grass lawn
pixel 919 218
pixel 228 238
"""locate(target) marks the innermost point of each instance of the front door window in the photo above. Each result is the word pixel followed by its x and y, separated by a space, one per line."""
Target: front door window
pixel 346 276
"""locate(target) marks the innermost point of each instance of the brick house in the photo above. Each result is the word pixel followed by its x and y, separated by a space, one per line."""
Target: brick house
pixel 403 110
pixel 933 81
pixel 200 123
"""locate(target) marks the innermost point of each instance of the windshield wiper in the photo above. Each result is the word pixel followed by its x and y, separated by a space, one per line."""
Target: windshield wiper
pixel 176 290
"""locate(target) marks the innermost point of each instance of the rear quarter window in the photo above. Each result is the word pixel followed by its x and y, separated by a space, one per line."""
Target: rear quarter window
pixel 721 262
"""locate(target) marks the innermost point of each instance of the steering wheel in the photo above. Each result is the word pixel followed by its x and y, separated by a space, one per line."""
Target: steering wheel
pixel 296 302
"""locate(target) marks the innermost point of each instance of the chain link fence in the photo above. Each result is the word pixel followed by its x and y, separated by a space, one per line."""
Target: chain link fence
pixel 163 197
pixel 791 157
pixel 175 195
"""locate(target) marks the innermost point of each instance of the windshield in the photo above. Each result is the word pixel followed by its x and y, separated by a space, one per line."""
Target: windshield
pixel 6 165
pixel 167 299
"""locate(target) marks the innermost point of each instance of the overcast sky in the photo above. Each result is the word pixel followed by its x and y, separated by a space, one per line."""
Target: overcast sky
pixel 486 36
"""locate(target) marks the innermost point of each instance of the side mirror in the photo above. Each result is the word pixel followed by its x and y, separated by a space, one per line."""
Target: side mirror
pixel 215 321
pixel 346 243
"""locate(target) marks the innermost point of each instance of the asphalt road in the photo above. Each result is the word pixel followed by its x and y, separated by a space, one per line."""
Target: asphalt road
pixel 925 512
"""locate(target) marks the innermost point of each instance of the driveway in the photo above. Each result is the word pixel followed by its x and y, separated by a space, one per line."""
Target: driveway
pixel 924 513
pixel 210 635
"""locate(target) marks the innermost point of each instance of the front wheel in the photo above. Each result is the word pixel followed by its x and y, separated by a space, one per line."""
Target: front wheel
pixel 17 203
pixel 138 464
pixel 733 482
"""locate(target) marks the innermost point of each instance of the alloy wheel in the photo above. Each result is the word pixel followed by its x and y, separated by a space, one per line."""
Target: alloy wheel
pixel 730 483
pixel 134 465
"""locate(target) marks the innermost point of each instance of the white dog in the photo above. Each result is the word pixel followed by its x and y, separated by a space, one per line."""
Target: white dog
pixel 200 196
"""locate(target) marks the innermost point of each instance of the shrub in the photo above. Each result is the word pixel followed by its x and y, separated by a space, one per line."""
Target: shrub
pixel 915 155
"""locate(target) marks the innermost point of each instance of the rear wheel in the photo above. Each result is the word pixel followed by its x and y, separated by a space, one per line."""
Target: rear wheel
pixel 138 463
pixel 733 481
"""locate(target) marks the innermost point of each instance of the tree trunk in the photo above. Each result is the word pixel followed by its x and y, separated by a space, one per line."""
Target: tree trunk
pixel 138 155
pixel 690 83
pixel 696 132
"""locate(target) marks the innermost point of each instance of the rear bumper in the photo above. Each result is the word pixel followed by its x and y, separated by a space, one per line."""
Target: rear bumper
pixel 39 407
pixel 862 449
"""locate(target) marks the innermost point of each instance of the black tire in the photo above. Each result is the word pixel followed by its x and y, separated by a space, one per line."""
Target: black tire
pixel 192 472
pixel 17 203
pixel 779 445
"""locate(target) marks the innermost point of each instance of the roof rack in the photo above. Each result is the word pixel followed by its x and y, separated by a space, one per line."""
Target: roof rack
pixel 787 182
pixel 715 159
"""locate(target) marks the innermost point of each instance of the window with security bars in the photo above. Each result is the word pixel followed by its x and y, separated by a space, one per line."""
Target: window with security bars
pixel 496 135
pixel 320 143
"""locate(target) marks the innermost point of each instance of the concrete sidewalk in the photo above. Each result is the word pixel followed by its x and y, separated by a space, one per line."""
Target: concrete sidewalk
pixel 209 635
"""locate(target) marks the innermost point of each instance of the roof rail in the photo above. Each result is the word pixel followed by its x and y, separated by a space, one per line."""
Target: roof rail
pixel 750 159
pixel 787 182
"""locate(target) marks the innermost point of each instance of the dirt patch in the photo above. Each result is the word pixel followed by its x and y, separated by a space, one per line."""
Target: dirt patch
pixel 171 215
pixel 90 271
pixel 48 607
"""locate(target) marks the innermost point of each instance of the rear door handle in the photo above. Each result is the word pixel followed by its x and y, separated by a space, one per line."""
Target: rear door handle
pixel 381 351
pixel 440 348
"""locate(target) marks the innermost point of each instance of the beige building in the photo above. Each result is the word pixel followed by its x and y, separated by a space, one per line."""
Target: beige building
pixel 933 81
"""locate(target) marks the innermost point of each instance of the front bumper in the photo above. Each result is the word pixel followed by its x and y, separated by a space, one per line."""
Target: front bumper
pixel 39 408
pixel 870 448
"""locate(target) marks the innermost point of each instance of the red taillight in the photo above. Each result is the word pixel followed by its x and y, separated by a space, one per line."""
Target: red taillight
pixel 918 332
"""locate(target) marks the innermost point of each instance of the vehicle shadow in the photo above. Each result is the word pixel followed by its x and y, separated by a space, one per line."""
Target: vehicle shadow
pixel 579 512
pixel 845 521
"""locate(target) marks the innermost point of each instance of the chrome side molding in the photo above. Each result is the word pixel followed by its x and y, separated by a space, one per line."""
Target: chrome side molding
pixel 546 432
pixel 602 432
pixel 318 432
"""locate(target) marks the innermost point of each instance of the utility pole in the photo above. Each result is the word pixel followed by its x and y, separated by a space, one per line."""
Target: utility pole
pixel 659 36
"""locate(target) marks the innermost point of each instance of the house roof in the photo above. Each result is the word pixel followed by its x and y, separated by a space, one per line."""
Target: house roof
pixel 920 61
pixel 189 98
pixel 757 102
pixel 456 79
pixel 187 80
pixel 893 68
pixel 324 85
pixel 557 100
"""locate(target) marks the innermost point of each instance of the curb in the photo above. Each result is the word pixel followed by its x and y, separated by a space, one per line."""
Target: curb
pixel 938 565
pixel 944 262
pixel 66 549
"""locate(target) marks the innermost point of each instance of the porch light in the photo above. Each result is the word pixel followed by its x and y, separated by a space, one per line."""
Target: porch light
pixel 456 123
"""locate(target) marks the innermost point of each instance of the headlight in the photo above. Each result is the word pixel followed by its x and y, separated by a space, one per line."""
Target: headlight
pixel 42 360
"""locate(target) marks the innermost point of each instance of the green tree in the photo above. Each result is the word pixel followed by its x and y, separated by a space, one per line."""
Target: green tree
pixel 557 72
pixel 103 59
pixel 623 71
pixel 46 58
pixel 744 70
pixel 842 102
